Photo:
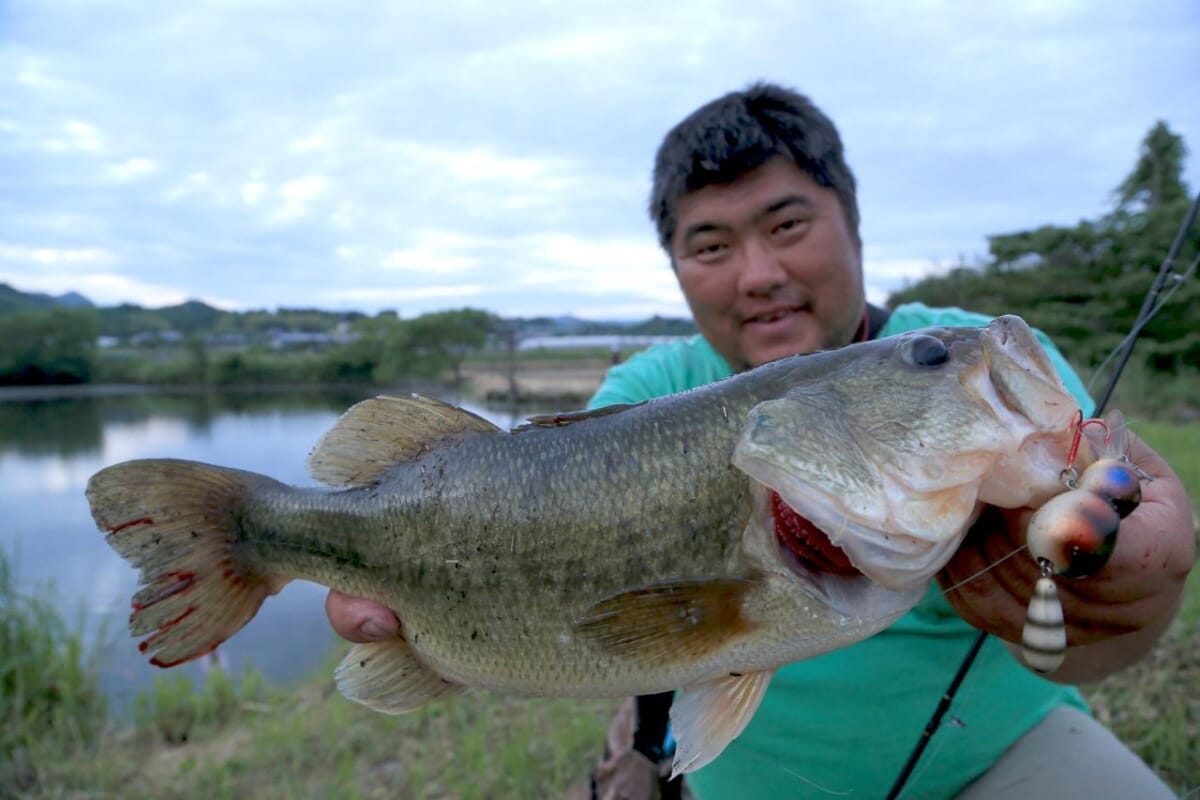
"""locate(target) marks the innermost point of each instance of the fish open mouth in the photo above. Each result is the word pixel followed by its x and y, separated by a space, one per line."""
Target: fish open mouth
pixel 807 543
pixel 825 569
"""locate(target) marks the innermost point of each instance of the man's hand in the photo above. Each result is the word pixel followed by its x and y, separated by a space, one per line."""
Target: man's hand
pixel 360 620
pixel 1113 617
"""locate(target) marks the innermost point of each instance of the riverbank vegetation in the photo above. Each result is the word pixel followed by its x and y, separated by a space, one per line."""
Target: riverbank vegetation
pixel 195 345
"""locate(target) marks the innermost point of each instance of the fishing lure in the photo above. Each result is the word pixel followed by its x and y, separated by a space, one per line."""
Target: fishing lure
pixel 1072 536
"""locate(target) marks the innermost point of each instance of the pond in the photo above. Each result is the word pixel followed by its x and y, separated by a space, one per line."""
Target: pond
pixel 51 443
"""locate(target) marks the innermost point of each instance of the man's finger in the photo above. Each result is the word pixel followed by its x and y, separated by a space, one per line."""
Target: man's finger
pixel 360 620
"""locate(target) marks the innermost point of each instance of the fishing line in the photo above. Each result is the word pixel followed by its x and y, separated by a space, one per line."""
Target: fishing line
pixel 1150 307
pixel 985 570
pixel 775 764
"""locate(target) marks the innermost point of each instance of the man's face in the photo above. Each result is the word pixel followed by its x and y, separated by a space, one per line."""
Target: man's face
pixel 769 266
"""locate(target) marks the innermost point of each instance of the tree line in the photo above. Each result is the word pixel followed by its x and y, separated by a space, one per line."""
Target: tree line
pixel 59 346
pixel 194 343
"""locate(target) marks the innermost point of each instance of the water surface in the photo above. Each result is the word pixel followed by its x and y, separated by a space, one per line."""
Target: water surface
pixel 51 444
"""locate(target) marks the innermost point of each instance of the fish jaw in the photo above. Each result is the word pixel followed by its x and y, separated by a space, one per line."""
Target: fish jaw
pixel 891 561
pixel 852 606
pixel 1026 392
pixel 910 452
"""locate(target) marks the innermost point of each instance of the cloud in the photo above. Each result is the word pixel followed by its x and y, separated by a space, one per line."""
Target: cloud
pixel 403 298
pixel 391 154
pixel 102 288
pixel 56 257
pixel 193 185
pixel 30 73
pixel 436 252
pixel 296 196
pixel 599 266
pixel 882 276
pixel 75 136
pixel 131 169
pixel 253 191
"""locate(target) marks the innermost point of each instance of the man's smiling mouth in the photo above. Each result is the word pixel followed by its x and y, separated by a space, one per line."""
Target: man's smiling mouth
pixel 773 315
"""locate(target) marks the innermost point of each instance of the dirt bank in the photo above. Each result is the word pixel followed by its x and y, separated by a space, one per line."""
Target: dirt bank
pixel 567 382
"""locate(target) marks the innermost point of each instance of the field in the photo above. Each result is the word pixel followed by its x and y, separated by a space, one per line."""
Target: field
pixel 237 737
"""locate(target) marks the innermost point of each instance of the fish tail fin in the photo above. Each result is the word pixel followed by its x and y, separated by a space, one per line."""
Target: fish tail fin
pixel 176 522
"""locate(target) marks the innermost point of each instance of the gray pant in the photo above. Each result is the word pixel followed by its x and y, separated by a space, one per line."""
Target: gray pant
pixel 1068 756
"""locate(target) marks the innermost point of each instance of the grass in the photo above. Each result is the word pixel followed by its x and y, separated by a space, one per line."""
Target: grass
pixel 309 742
pixel 1180 446
pixel 1154 706
pixel 49 699
pixel 231 738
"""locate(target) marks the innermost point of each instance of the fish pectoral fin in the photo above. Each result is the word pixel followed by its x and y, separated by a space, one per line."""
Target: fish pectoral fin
pixel 706 717
pixel 386 676
pixel 676 621
pixel 375 434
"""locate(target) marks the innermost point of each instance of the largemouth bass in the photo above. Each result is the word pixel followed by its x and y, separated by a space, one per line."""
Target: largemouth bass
pixel 628 550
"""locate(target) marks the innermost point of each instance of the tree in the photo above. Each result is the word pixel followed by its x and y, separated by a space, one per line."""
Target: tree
pixel 363 359
pixel 1084 284
pixel 55 346
pixel 433 342
pixel 1158 177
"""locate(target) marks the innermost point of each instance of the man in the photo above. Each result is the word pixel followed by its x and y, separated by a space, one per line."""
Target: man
pixel 756 207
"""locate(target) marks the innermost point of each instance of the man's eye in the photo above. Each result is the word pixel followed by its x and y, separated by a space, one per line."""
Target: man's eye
pixel 709 250
pixel 789 225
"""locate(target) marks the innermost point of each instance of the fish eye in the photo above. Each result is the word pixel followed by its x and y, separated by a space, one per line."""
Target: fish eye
pixel 927 351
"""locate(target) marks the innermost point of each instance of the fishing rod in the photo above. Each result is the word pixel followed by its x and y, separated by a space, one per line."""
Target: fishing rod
pixel 1151 305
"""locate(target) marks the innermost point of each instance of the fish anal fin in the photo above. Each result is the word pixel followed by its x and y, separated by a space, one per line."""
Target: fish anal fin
pixel 387 676
pixel 673 621
pixel 706 717
pixel 375 434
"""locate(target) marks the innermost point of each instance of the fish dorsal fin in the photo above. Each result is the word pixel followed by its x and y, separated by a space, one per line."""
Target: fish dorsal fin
pixel 377 433
pixel 674 621
pixel 706 717
pixel 569 417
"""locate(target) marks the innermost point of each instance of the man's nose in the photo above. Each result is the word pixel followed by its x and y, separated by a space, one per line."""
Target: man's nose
pixel 761 271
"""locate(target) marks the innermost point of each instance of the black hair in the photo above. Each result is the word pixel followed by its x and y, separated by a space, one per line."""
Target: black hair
pixel 726 138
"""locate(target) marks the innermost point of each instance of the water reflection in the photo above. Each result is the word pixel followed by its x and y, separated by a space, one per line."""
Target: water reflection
pixel 50 446
pixel 55 426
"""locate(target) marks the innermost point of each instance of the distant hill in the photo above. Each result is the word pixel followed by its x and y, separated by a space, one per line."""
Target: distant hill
pixel 15 300
pixel 574 326
pixel 196 318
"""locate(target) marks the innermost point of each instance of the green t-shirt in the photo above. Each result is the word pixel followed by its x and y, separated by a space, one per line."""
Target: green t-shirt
pixel 843 724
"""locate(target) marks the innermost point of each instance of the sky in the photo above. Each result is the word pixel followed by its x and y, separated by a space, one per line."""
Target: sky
pixel 414 157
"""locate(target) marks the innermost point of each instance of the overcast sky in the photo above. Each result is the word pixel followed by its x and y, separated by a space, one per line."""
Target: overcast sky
pixel 421 156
